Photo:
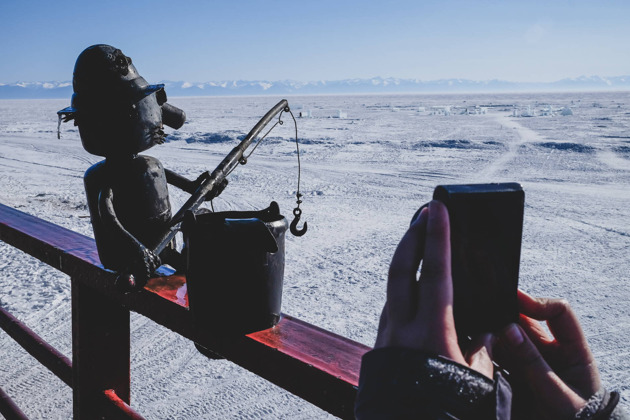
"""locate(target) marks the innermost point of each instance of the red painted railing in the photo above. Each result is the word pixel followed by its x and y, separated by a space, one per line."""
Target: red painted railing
pixel 312 363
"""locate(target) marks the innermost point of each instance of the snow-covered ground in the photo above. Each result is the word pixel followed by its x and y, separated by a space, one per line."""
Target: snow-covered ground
pixel 362 177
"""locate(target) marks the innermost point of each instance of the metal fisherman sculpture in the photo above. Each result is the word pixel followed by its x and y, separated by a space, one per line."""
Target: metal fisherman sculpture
pixel 120 115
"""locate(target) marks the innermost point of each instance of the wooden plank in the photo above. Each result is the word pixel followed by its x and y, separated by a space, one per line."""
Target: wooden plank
pixel 52 244
pixel 310 362
pixel 328 352
pixel 327 362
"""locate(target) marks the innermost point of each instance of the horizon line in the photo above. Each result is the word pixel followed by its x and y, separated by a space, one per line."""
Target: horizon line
pixel 345 79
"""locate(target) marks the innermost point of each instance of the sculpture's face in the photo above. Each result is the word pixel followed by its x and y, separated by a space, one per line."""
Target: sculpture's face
pixel 122 129
pixel 147 122
pixel 117 111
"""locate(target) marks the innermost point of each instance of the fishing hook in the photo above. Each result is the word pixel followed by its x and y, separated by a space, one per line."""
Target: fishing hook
pixel 297 212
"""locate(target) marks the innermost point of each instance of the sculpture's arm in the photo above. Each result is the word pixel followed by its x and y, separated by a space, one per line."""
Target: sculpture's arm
pixel 180 181
pixel 142 261
pixel 189 186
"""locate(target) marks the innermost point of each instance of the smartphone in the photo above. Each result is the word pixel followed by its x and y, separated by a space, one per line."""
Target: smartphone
pixel 486 223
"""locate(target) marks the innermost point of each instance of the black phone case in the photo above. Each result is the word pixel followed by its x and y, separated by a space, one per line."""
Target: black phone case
pixel 486 229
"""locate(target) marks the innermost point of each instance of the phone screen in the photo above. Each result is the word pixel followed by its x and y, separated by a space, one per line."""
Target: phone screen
pixel 486 223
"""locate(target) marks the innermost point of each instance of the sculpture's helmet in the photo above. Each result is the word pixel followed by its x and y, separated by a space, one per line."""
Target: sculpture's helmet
pixel 116 110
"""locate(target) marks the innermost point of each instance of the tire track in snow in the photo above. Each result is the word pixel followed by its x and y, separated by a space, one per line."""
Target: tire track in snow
pixel 523 135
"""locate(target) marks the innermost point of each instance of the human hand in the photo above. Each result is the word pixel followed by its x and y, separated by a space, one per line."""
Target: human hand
pixel 558 371
pixel 419 314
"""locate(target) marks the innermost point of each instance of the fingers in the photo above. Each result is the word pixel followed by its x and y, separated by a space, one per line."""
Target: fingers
pixel 561 319
pixel 547 387
pixel 417 213
pixel 437 260
pixel 569 350
pixel 535 331
pixel 402 284
pixel 436 285
pixel 420 314
pixel 435 292
pixel 479 355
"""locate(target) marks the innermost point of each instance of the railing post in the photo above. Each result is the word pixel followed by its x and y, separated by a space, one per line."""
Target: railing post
pixel 100 350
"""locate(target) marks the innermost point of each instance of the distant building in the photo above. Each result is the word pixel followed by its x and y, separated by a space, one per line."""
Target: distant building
pixel 441 110
pixel 547 112
pixel 528 112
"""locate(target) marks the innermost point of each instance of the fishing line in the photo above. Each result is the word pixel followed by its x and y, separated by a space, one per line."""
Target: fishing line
pixel 297 211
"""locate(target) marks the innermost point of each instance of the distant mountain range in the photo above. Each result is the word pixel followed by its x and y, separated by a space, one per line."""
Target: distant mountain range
pixel 42 90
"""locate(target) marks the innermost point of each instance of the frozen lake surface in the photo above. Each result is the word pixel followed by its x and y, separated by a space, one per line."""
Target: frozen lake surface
pixel 363 177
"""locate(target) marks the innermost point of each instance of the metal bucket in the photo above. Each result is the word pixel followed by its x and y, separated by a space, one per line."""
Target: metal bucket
pixel 235 269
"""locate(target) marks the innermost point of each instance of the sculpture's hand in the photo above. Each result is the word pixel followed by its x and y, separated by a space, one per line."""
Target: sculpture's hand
pixel 219 189
pixel 145 263
pixel 201 178
pixel 216 191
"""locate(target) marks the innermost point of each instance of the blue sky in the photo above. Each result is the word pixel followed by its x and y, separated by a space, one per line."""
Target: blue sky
pixel 321 39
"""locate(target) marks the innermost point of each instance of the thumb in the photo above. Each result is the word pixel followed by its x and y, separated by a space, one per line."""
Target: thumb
pixel 550 391
pixel 479 355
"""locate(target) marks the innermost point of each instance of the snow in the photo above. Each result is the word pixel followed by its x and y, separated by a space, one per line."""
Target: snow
pixel 363 178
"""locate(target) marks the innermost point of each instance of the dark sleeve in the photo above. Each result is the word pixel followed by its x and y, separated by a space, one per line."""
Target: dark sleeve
pixel 602 406
pixel 397 383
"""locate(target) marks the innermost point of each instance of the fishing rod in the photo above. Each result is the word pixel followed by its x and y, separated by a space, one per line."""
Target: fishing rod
pixel 213 184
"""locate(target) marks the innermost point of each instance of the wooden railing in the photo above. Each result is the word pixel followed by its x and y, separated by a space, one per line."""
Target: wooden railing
pixel 312 363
